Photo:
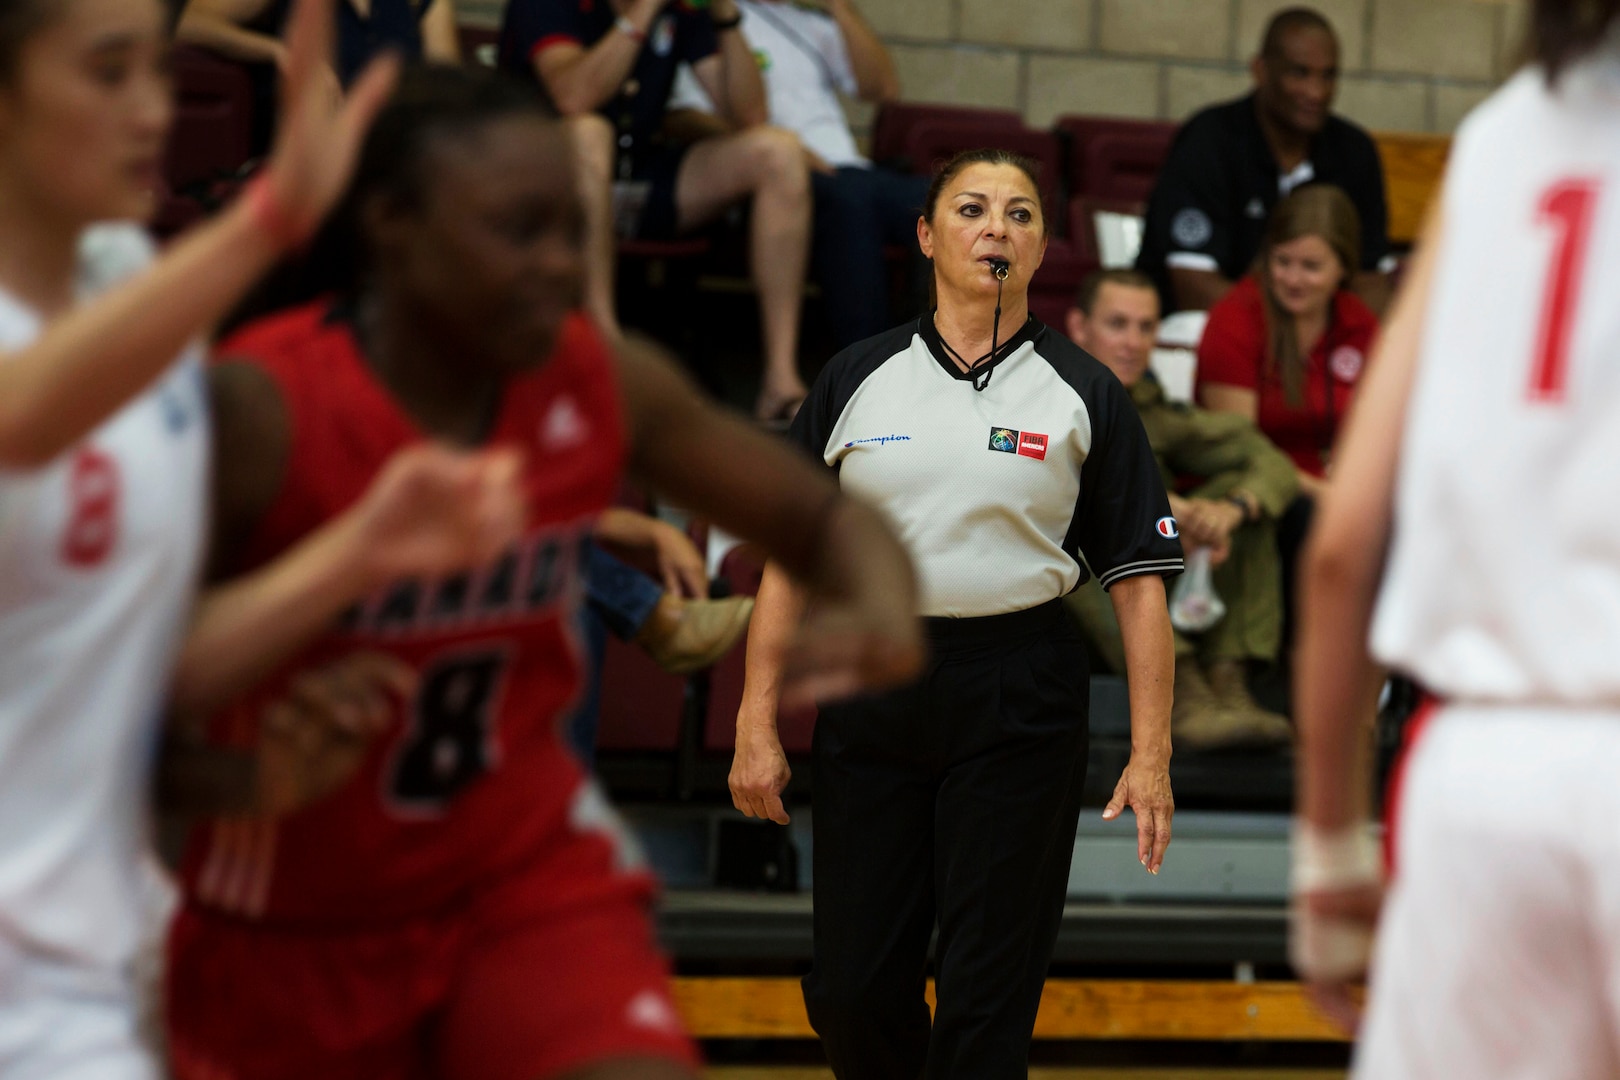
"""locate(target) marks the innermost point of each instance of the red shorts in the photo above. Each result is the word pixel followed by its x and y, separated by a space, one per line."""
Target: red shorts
pixel 518 984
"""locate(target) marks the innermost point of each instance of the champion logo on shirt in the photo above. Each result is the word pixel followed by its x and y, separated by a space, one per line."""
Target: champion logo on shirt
pixel 1028 444
pixel 878 440
pixel 1166 527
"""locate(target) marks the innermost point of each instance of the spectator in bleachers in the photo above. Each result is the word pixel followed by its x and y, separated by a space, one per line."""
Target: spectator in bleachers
pixel 609 66
pixel 810 54
pixel 1230 164
pixel 1286 346
pixel 250 30
pixel 1237 484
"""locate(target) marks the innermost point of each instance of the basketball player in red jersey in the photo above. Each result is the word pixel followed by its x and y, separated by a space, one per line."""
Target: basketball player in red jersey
pixel 468 905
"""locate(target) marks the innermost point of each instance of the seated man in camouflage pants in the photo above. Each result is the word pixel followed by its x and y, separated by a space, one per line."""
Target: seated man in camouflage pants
pixel 1236 483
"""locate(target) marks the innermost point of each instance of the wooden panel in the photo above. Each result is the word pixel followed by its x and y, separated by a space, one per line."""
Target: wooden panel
pixel 1070 1009
pixel 1413 166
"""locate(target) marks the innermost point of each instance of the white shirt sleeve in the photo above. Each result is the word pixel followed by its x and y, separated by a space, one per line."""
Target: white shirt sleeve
pixel 836 52
pixel 688 93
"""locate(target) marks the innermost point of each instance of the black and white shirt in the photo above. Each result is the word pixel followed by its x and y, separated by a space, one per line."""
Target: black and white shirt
pixel 998 492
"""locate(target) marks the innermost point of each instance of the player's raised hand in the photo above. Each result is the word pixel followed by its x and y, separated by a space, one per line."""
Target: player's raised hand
pixel 313 738
pixel 435 510
pixel 319 130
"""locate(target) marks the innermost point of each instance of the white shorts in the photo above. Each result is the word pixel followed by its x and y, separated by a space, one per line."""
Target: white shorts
pixel 1498 956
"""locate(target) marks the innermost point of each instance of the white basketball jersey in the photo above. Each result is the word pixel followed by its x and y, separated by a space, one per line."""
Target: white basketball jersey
pixel 1503 581
pixel 99 559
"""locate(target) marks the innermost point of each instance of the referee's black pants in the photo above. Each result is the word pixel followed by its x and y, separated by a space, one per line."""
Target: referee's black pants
pixel 956 798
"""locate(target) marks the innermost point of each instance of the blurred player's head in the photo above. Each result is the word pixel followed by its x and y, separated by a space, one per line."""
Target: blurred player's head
pixel 467 216
pixel 1310 251
pixel 84 108
pixel 1562 31
pixel 1296 73
pixel 1115 318
pixel 983 204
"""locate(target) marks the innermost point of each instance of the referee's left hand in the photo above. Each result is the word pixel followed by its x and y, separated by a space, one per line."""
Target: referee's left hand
pixel 1145 788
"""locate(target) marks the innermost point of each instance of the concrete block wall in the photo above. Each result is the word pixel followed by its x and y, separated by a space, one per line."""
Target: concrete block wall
pixel 1408 65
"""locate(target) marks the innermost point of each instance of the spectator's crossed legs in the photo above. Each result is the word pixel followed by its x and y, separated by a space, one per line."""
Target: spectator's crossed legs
pixel 768 164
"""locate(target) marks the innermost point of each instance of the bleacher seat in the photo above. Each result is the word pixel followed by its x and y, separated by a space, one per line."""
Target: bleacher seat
pixel 895 120
pixel 641 703
pixel 212 136
pixel 1115 159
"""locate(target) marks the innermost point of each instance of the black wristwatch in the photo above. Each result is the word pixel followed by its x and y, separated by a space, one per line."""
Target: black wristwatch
pixel 728 24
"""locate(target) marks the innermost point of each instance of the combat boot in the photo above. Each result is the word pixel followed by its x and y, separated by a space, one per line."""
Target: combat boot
pixel 1258 726
pixel 1198 720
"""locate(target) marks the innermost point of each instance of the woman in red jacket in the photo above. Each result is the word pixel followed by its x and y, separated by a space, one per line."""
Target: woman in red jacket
pixel 1287 345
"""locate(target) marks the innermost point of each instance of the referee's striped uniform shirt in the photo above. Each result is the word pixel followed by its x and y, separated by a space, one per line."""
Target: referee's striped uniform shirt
pixel 997 492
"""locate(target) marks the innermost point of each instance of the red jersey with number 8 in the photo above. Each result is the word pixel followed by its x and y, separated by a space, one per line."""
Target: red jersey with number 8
pixel 474 780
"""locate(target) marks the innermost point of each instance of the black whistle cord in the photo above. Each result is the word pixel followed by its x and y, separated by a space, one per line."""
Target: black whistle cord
pixel 982 381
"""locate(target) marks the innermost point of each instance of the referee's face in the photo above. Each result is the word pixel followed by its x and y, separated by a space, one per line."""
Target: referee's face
pixel 986 212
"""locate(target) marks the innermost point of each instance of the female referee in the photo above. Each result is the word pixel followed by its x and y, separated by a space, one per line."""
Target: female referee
pixel 956 798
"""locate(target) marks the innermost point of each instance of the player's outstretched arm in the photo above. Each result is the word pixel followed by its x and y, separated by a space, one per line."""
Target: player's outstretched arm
pixel 1150 671
pixel 431 510
pixel 92 360
pixel 863 631
pixel 1336 866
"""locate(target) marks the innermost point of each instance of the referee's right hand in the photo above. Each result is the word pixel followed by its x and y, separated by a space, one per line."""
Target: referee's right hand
pixel 759 771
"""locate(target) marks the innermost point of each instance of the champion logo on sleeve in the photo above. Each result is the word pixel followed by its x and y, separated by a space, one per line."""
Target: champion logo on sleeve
pixel 1166 527
pixel 1028 444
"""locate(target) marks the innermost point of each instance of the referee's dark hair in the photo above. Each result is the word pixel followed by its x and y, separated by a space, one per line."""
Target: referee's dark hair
pixel 986 156
pixel 1288 20
pixel 1563 31
pixel 1086 297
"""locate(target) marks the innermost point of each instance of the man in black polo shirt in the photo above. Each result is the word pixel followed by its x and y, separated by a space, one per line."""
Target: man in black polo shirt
pixel 1232 163
pixel 608 65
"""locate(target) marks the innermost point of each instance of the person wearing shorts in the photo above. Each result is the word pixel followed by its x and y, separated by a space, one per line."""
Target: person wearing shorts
pixel 609 66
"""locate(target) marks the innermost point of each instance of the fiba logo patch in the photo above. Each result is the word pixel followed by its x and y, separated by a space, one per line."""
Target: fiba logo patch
pixel 1191 228
pixel 1166 527
pixel 1030 444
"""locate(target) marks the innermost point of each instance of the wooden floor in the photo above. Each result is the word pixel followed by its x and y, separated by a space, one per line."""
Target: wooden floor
pixel 764 1072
